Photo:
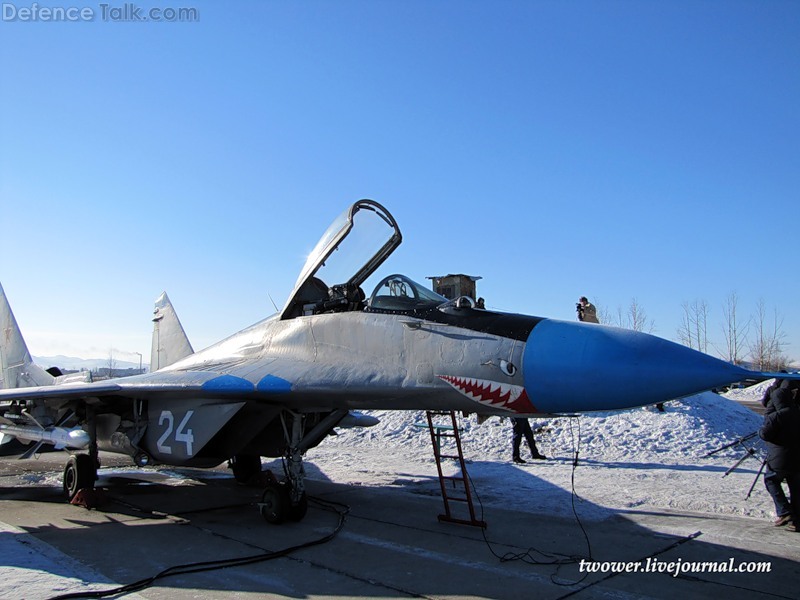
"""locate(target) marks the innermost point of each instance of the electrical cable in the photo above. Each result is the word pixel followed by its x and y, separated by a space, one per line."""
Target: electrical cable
pixel 329 505
pixel 682 540
pixel 550 558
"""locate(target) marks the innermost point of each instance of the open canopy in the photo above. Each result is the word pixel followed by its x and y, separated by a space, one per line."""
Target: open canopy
pixel 355 244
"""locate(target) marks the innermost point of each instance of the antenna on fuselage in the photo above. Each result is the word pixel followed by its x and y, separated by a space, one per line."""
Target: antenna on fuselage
pixel 273 302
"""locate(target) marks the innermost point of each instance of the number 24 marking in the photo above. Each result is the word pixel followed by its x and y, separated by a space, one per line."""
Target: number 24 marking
pixel 181 434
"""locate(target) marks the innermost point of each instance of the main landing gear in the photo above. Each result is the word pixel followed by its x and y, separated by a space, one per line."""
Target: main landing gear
pixel 81 469
pixel 80 473
pixel 245 467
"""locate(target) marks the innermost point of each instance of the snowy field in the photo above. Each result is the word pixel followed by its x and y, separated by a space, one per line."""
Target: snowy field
pixel 629 459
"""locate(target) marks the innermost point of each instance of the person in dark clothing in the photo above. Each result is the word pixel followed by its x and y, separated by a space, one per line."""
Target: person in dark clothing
pixel 768 392
pixel 781 432
pixel 522 429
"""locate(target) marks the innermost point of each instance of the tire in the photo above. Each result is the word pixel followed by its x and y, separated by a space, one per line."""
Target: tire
pixel 245 467
pixel 79 473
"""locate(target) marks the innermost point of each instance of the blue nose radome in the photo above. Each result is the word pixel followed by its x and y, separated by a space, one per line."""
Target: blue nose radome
pixel 582 367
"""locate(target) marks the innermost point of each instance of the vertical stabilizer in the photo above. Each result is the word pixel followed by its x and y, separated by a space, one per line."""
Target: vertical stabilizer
pixel 170 343
pixel 16 365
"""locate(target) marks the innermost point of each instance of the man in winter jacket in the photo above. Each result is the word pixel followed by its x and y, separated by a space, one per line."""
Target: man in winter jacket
pixel 781 432
pixel 586 311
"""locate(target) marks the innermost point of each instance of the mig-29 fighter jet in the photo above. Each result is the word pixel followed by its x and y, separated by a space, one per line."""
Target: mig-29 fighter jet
pixel 279 387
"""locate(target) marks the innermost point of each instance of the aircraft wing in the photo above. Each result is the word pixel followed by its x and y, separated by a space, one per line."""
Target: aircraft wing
pixel 196 417
pixel 177 384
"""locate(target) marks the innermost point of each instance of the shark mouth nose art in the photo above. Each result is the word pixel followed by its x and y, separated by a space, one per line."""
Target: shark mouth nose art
pixel 494 394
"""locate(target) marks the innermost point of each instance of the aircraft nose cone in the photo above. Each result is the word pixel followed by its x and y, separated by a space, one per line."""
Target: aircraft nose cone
pixel 582 367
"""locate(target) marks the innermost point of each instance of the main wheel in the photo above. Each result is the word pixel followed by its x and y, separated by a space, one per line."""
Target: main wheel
pixel 245 467
pixel 79 473
pixel 274 502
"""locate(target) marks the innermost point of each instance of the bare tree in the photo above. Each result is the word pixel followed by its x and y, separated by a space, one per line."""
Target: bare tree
pixel 733 331
pixel 112 363
pixel 693 331
pixel 634 318
pixel 637 318
pixel 619 320
pixel 701 324
pixel 766 348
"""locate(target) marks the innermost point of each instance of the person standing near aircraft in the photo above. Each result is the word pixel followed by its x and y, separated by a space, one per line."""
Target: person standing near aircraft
pixel 521 427
pixel 781 432
pixel 586 311
pixel 765 398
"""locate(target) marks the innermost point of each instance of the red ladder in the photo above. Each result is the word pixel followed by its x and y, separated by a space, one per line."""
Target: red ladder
pixel 442 431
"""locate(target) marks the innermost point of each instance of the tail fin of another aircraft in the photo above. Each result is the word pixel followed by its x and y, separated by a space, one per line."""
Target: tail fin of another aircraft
pixel 16 365
pixel 170 343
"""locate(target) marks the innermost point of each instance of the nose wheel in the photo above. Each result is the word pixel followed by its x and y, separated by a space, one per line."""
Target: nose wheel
pixel 286 500
pixel 276 504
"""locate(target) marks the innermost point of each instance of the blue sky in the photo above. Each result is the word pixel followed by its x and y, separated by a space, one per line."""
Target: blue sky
pixel 619 150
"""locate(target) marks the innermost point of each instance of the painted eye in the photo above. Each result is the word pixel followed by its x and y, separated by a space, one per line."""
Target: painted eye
pixel 507 367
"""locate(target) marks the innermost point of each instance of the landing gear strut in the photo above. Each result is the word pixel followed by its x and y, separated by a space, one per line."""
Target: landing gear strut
pixel 286 500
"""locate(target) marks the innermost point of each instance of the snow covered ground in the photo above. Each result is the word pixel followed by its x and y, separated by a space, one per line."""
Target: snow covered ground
pixel 634 458
pixel 638 459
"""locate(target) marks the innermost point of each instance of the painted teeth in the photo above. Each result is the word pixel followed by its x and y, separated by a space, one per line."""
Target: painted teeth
pixel 484 391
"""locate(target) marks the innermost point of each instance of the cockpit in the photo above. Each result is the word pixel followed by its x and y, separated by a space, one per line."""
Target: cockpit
pixel 394 294
pixel 355 244
pixel 398 293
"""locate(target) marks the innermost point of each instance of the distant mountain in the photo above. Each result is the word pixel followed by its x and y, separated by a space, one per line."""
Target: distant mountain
pixel 76 364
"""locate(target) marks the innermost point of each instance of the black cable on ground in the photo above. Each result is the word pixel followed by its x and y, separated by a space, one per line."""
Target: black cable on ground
pixel 683 540
pixel 340 509
pixel 549 558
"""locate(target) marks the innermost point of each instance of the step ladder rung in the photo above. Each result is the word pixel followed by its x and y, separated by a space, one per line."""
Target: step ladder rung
pixel 455 499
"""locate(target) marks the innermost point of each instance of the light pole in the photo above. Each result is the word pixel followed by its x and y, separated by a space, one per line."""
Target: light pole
pixel 140 361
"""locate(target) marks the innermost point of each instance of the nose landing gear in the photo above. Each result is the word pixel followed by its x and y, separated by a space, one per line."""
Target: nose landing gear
pixel 286 500
pixel 276 504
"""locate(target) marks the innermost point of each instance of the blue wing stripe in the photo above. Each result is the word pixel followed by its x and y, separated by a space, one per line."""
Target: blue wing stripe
pixel 227 384
pixel 274 385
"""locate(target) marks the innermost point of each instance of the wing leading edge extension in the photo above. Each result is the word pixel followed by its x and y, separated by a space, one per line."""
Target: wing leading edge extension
pixel 194 384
